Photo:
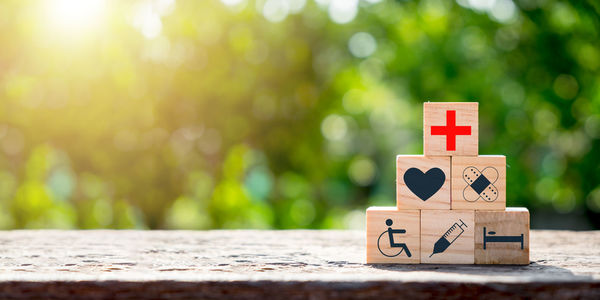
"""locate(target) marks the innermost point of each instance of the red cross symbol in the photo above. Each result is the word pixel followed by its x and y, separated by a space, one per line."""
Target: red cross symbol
pixel 450 130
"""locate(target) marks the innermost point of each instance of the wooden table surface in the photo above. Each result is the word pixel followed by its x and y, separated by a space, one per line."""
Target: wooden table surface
pixel 295 264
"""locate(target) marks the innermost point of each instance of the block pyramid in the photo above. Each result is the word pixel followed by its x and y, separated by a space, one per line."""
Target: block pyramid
pixel 451 201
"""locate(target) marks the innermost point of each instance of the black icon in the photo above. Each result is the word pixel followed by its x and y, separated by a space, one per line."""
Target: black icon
pixel 424 185
pixel 501 238
pixel 480 184
pixel 396 248
pixel 449 237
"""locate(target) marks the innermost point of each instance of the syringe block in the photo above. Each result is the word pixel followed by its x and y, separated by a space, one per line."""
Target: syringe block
pixel 436 224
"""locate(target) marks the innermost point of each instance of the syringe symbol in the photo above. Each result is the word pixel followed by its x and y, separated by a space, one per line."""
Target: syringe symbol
pixel 449 237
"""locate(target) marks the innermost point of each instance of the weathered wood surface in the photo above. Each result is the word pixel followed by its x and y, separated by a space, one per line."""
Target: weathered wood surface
pixel 274 265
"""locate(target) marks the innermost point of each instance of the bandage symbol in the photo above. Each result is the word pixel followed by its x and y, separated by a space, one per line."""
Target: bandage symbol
pixel 480 184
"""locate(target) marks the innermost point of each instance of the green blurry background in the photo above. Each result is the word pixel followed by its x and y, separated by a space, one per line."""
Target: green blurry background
pixel 284 113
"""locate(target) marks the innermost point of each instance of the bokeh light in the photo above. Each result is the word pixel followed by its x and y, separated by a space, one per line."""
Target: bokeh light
pixel 362 44
pixel 343 11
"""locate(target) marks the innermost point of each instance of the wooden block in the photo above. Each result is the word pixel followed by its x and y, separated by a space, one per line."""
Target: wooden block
pixel 447 237
pixel 450 128
pixel 393 236
pixel 502 237
pixel 422 182
pixel 479 182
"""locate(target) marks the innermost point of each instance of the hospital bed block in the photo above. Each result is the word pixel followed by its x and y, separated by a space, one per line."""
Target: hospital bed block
pixel 393 236
pixel 450 128
pixel 447 236
pixel 479 182
pixel 422 182
pixel 502 237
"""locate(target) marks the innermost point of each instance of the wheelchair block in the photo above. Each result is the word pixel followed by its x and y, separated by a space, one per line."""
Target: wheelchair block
pixel 393 236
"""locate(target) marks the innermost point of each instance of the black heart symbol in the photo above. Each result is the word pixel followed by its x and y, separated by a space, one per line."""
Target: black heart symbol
pixel 424 185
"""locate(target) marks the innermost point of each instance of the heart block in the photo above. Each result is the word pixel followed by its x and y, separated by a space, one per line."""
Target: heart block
pixel 424 185
pixel 422 182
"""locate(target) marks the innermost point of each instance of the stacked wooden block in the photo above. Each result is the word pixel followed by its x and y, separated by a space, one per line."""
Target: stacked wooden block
pixel 450 202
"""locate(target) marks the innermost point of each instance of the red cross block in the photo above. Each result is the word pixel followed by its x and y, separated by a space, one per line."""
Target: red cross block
pixel 450 130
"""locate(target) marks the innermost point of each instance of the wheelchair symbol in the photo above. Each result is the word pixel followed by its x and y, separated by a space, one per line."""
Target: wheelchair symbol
pixel 386 244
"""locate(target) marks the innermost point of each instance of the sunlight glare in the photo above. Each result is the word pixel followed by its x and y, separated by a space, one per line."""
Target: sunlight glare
pixel 74 15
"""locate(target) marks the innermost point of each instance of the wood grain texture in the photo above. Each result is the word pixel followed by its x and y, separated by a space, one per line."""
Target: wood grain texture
pixel 435 224
pixel 406 199
pixel 514 223
pixel 434 114
pixel 287 264
pixel 379 248
pixel 466 182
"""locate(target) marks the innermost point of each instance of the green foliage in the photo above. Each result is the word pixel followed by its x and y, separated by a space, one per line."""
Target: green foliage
pixel 200 115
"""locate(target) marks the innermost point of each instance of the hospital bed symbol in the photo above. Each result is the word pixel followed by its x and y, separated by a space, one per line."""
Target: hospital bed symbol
pixel 493 238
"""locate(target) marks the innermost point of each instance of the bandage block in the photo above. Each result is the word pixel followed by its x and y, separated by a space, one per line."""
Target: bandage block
pixel 447 236
pixel 450 128
pixel 422 182
pixel 502 237
pixel 393 236
pixel 479 183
